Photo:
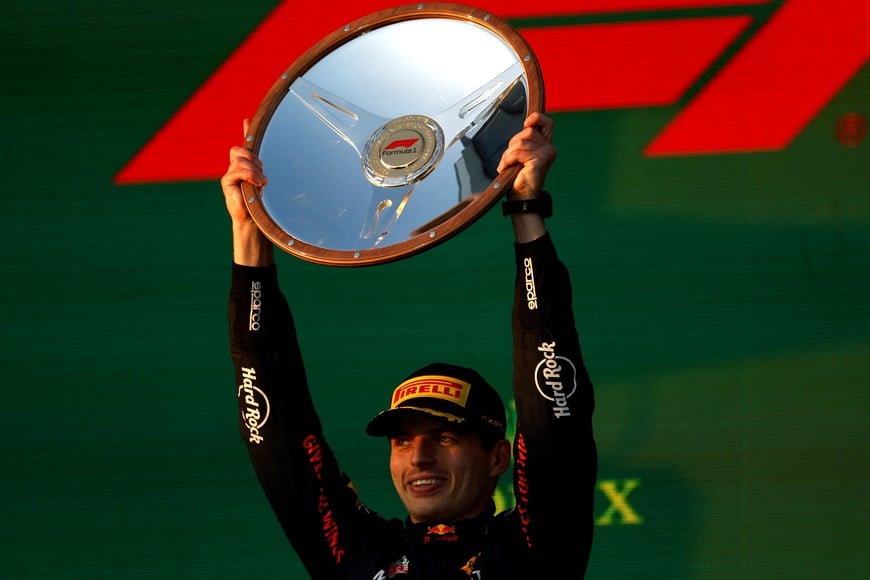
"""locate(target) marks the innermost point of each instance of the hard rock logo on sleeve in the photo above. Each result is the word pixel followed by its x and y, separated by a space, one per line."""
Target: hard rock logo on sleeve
pixel 556 379
pixel 254 405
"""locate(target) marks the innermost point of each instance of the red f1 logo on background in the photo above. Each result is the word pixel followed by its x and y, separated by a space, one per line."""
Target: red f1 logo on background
pixel 781 74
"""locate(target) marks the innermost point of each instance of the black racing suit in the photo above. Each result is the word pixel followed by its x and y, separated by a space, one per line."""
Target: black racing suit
pixel 548 534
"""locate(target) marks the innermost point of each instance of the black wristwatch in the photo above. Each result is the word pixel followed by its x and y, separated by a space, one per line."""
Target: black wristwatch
pixel 542 205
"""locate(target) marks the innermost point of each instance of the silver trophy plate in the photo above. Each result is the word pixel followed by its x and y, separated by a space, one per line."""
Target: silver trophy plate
pixel 383 139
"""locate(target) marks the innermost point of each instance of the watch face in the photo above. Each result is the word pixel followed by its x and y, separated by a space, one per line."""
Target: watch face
pixel 542 205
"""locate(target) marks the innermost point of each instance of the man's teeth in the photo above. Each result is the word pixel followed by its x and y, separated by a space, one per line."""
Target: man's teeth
pixel 424 482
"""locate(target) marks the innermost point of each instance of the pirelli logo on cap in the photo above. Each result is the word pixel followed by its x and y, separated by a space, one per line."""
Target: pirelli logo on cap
pixel 437 386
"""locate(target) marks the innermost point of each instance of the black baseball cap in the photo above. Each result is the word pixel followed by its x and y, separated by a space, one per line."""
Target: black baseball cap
pixel 450 393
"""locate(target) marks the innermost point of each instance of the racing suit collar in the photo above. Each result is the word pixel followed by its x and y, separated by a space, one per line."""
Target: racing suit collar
pixel 462 531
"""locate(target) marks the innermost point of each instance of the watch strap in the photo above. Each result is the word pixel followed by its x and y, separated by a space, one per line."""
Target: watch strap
pixel 542 205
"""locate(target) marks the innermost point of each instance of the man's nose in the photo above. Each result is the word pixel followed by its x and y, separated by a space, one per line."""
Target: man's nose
pixel 423 452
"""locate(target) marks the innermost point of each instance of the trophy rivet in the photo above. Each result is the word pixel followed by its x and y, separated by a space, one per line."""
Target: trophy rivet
pixel 356 254
pixel 291 241
pixel 252 199
pixel 432 234
pixel 496 185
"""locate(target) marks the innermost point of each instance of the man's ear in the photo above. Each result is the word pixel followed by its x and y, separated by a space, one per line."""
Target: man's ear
pixel 501 457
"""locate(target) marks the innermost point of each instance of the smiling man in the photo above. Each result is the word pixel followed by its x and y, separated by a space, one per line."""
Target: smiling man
pixel 445 423
pixel 446 427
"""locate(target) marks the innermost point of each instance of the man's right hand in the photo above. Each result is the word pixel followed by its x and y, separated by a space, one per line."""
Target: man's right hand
pixel 250 246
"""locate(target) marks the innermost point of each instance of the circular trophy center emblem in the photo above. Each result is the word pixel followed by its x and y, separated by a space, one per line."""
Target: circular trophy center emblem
pixel 403 151
pixel 404 148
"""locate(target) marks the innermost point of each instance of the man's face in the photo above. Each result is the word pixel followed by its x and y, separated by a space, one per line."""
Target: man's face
pixel 443 473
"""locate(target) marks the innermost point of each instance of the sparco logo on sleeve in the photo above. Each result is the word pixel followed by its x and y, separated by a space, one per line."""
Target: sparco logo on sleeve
pixel 556 379
pixel 254 406
pixel 256 305
pixel 531 293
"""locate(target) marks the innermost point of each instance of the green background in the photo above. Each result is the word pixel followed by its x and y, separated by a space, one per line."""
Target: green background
pixel 722 302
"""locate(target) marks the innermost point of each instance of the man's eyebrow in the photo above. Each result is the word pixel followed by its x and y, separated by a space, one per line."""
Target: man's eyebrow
pixel 436 430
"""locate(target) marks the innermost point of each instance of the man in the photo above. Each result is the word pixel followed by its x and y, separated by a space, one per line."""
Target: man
pixel 445 423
